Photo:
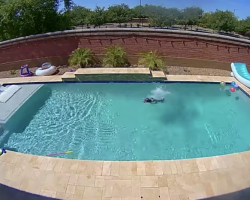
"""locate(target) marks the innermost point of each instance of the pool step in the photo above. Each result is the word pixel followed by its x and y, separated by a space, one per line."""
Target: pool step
pixel 113 74
pixel 158 75
pixel 69 77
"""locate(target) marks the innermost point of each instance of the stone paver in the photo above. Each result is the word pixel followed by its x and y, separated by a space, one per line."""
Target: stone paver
pixel 112 180
pixel 68 75
pixel 196 178
pixel 158 74
pixel 200 78
pixel 112 71
pixel 34 79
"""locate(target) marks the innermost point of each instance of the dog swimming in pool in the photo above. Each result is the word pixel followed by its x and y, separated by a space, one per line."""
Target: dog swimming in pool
pixel 153 101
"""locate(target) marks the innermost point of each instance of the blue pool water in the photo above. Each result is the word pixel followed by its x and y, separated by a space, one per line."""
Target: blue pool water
pixel 109 121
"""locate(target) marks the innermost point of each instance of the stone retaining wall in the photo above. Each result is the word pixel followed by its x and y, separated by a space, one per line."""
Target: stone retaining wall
pixel 179 48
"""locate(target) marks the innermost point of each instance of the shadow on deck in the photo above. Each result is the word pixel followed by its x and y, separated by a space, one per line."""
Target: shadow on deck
pixel 9 193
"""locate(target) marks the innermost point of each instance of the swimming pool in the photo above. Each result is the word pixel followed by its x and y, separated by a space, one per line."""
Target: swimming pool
pixel 109 121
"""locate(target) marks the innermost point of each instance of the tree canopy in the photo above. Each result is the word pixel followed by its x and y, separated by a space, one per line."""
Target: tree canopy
pixel 119 13
pixel 28 17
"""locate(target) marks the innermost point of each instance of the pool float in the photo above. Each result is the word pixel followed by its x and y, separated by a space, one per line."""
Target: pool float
pixel 24 71
pixel 2 151
pixel 241 73
pixel 46 69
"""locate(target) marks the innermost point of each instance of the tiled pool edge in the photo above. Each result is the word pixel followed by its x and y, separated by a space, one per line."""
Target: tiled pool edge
pixel 99 82
pixel 106 180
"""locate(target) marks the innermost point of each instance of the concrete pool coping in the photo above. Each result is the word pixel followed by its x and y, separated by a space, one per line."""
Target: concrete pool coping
pixel 124 180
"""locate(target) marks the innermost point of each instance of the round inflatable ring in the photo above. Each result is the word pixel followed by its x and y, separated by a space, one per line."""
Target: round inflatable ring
pixel 46 71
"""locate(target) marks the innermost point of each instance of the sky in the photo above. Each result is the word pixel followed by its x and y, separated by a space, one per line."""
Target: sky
pixel 240 7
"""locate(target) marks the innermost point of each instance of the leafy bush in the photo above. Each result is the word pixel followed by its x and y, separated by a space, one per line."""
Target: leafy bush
pixel 82 57
pixel 12 72
pixel 115 56
pixel 151 60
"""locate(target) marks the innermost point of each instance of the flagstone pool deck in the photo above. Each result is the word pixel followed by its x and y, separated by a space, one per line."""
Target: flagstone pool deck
pixel 119 180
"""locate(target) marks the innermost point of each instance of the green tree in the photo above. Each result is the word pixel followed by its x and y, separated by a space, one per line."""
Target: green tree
pixel 97 17
pixel 28 17
pixel 1 25
pixel 206 20
pixel 157 15
pixel 243 27
pixel 161 16
pixel 190 16
pixel 224 21
pixel 68 4
pixel 173 15
pixel 139 12
pixel 78 15
pixel 119 13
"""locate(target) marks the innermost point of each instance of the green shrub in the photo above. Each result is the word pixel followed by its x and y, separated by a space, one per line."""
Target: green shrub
pixel 82 57
pixel 12 72
pixel 115 56
pixel 151 60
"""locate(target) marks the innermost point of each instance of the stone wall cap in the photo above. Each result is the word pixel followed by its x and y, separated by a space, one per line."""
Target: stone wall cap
pixel 136 30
